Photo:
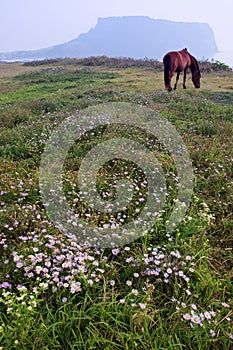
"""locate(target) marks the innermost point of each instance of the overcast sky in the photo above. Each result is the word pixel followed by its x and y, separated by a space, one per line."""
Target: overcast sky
pixel 33 24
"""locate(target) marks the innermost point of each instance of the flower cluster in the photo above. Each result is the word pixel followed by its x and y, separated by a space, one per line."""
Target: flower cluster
pixel 21 302
pixel 207 319
pixel 62 263
pixel 56 260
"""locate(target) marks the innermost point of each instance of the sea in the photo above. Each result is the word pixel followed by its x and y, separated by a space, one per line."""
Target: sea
pixel 225 57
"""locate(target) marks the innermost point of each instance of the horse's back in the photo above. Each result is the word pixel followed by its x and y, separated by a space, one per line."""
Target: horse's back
pixel 179 60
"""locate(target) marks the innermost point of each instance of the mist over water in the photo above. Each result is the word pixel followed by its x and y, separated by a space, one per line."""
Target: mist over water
pixel 225 57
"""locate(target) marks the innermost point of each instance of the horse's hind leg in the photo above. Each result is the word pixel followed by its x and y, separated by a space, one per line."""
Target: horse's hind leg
pixel 170 78
pixel 177 78
pixel 184 79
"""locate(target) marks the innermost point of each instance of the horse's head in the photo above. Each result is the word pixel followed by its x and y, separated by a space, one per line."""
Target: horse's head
pixel 196 79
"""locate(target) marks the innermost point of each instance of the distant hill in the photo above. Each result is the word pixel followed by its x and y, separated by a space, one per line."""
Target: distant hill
pixel 130 36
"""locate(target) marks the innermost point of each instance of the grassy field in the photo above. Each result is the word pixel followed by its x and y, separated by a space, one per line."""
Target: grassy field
pixel 161 291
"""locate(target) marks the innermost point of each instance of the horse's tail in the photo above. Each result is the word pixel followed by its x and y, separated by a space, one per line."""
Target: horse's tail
pixel 166 63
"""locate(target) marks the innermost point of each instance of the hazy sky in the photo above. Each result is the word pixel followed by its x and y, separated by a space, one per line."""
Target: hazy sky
pixel 32 24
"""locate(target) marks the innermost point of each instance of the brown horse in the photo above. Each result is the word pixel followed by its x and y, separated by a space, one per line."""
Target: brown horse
pixel 178 61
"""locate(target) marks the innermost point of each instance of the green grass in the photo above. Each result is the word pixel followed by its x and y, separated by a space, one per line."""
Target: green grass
pixel 57 295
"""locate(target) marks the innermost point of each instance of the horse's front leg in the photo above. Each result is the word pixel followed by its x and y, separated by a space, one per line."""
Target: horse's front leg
pixel 177 78
pixel 184 79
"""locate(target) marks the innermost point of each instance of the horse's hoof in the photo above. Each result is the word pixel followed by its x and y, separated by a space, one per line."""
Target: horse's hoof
pixel 184 87
pixel 169 89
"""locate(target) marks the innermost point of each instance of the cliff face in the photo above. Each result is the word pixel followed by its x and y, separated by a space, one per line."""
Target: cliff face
pixel 141 37
pixel 131 36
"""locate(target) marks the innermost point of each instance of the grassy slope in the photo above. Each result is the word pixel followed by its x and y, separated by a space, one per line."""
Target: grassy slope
pixel 33 101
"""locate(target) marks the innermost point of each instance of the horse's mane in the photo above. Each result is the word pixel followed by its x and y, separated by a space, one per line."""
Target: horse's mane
pixel 194 65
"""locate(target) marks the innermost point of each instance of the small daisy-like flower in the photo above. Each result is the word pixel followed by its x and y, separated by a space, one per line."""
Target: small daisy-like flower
pixel 202 316
pixel 188 257
pixel 38 269
pixel 75 287
pixel 135 292
pixel 207 315
pixel 129 260
pixel 122 301
pixel 187 317
pixel 212 333
pixel 193 306
pixel 6 285
pixel 129 283
pixel 225 305
pixel 181 273
pixel 188 292
pixel 43 285
pixel 21 288
pixel 230 335
pixel 213 313
pixel 115 251
pixel 47 263
pixel 112 283
pixel 195 319
pixel 142 306
pixel 64 299
pixel 16 258
pixel 136 275
pixel 35 290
